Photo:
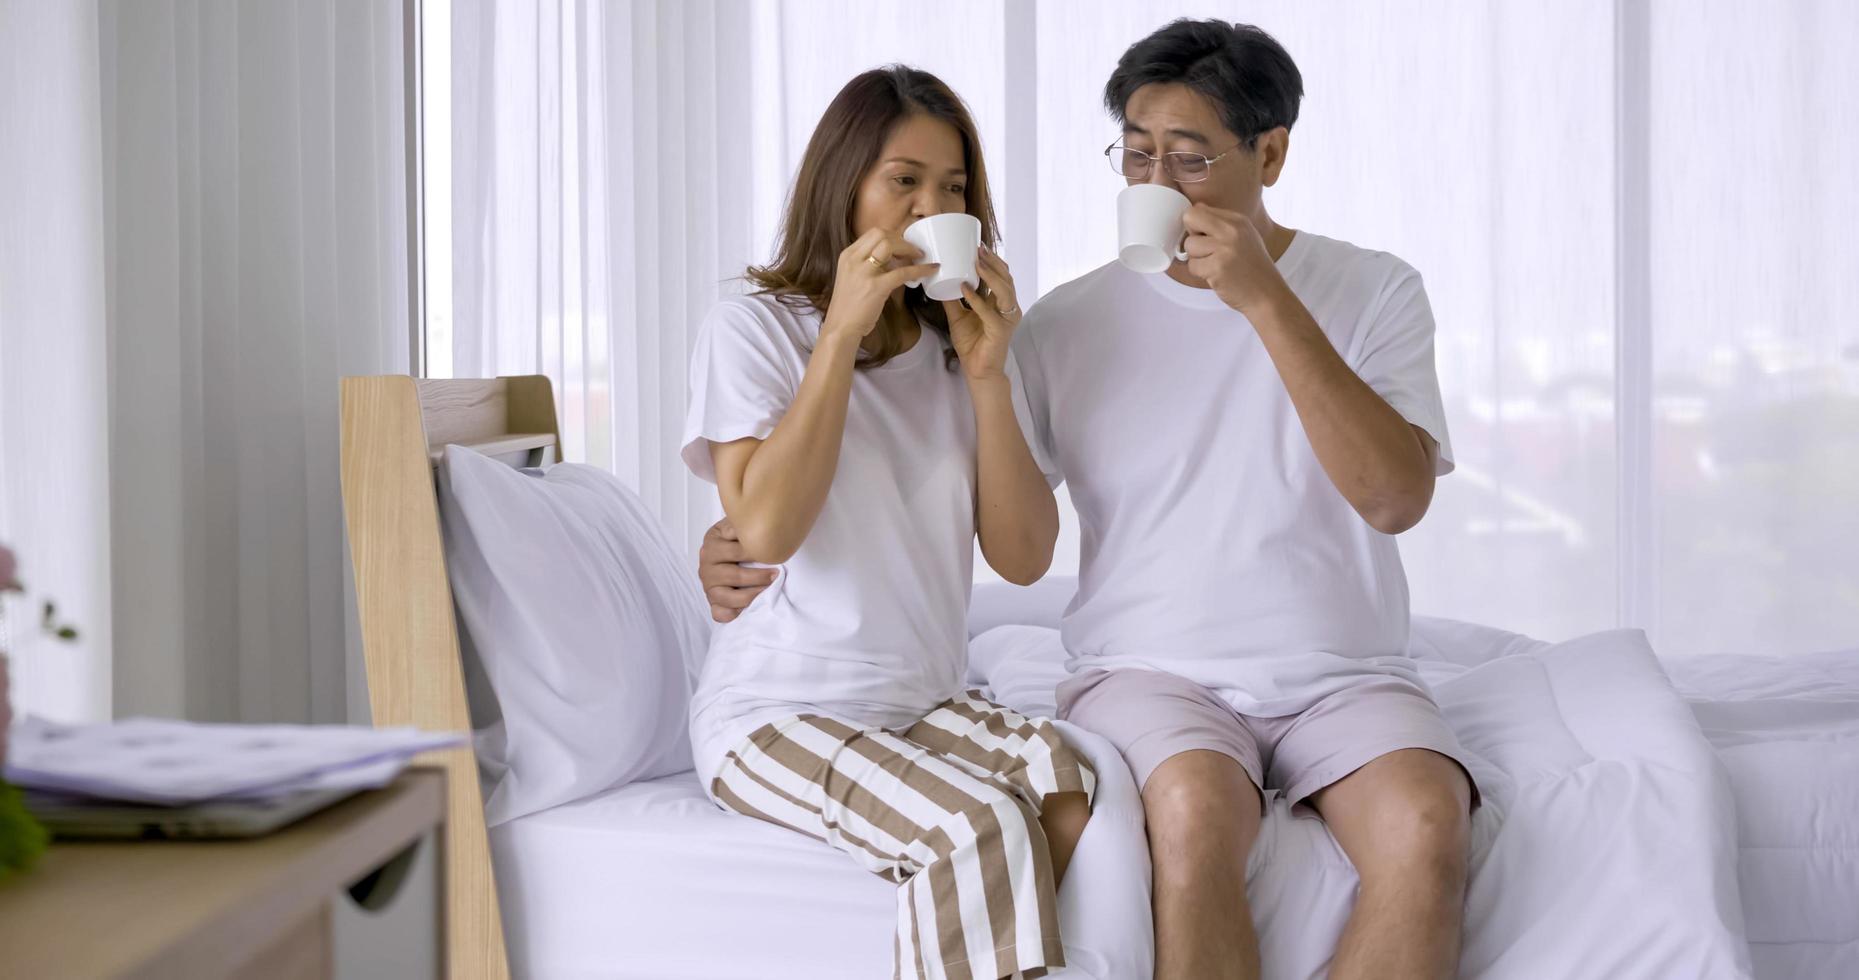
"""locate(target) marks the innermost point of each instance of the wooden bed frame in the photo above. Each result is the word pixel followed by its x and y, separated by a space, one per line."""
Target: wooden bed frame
pixel 393 431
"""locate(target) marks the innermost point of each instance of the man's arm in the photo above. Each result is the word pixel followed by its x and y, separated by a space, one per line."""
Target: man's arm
pixel 1381 463
pixel 729 587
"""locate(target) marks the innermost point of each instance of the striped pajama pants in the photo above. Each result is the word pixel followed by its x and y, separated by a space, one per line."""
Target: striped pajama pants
pixel 948 809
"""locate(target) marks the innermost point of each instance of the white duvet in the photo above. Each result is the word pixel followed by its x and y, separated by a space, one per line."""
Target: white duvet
pixel 1787 730
pixel 1607 843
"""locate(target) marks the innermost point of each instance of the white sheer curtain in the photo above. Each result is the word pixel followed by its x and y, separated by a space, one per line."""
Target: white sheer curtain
pixel 1635 220
pixel 602 164
pixel 614 168
pixel 1753 233
pixel 54 465
pixel 255 178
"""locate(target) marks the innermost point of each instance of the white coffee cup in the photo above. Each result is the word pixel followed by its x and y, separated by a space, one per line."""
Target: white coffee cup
pixel 1149 231
pixel 953 241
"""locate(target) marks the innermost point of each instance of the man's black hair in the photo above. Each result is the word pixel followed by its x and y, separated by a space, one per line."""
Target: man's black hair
pixel 1244 71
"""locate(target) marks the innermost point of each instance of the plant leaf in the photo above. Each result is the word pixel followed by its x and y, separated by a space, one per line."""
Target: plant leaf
pixel 22 839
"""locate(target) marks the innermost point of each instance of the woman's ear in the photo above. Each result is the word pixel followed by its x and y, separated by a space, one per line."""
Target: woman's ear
pixel 1272 147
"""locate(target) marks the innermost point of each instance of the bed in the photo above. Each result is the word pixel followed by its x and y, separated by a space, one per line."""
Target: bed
pixel 1691 818
pixel 625 870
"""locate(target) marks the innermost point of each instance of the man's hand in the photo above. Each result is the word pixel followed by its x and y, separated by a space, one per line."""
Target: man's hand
pixel 1226 251
pixel 728 586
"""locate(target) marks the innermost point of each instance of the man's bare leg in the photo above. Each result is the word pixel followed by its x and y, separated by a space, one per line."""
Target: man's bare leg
pixel 1203 814
pixel 1405 822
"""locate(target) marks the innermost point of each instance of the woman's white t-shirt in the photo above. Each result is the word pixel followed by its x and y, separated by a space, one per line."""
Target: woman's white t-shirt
pixel 868 620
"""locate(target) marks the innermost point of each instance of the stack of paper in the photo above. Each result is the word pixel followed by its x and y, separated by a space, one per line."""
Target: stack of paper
pixel 171 763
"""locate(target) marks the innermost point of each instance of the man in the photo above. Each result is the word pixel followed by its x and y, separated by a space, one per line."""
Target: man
pixel 1242 437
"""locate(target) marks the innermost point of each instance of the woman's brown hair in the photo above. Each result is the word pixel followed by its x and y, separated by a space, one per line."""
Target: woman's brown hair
pixel 844 148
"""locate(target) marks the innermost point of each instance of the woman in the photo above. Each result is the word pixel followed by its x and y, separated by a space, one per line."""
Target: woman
pixel 861 437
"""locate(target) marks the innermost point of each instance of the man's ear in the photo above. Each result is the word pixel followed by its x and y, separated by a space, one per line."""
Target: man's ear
pixel 1272 147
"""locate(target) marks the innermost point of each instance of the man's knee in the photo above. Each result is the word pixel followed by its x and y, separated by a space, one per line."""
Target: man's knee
pixel 1200 798
pixel 1423 828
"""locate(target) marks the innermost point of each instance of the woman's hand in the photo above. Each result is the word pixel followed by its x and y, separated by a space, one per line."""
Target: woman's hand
pixel 982 331
pixel 865 281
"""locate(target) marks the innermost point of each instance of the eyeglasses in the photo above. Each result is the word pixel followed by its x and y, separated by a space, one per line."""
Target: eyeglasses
pixel 1179 165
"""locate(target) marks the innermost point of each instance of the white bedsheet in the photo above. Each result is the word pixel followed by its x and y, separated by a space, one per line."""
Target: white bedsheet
pixel 1605 847
pixel 653 882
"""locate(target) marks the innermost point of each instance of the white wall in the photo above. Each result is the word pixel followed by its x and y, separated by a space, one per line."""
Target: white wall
pixel 54 485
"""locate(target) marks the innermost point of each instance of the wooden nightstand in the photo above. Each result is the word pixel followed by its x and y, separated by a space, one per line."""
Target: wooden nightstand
pixel 272 907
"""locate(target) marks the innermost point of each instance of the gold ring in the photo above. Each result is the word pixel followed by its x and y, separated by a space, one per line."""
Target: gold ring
pixel 1008 310
pixel 873 259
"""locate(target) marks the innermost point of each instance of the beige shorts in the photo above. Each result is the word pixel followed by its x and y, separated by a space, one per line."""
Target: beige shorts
pixel 1151 716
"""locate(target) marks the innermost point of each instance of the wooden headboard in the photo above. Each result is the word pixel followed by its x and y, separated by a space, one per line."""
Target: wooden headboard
pixel 393 429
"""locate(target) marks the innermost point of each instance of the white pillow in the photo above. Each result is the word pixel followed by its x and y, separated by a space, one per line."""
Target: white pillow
pixel 581 620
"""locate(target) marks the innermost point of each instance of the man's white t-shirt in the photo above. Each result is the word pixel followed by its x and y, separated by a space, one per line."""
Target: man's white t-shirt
pixel 868 620
pixel 1212 544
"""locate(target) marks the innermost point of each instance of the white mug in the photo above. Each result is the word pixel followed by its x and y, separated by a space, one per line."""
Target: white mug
pixel 953 241
pixel 1149 232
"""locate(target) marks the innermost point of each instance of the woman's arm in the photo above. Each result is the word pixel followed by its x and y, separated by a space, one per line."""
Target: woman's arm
pixel 1016 517
pixel 773 488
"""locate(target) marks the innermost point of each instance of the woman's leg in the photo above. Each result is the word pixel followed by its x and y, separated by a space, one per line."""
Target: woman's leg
pixel 996 742
pixel 977 897
pixel 1063 817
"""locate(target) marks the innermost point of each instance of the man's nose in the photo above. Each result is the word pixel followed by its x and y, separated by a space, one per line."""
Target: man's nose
pixel 1158 174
